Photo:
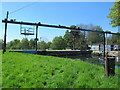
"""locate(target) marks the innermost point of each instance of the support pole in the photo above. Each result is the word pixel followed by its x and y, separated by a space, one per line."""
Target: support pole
pixel 105 59
pixel 104 45
pixel 4 46
pixel 36 39
pixel 109 61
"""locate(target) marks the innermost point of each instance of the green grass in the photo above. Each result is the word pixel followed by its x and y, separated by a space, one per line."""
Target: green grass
pixel 0 69
pixel 36 71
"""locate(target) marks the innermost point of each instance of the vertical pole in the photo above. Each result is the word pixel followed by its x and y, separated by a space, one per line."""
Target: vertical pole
pixel 104 45
pixel 105 59
pixel 4 47
pixel 36 39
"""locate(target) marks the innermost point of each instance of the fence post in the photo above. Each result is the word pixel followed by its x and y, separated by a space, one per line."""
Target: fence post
pixel 110 66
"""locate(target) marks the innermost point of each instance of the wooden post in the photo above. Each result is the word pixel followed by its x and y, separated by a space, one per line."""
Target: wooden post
pixel 106 67
pixel 111 66
pixel 4 46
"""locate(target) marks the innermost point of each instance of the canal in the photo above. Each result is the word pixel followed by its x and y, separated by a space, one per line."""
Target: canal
pixel 97 60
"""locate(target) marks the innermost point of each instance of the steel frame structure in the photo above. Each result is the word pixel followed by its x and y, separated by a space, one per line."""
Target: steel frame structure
pixel 6 21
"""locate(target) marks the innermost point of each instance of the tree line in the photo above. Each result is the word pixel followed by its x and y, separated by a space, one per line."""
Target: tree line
pixel 75 40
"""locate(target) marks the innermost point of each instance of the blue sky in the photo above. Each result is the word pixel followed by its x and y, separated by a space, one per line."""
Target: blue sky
pixel 63 13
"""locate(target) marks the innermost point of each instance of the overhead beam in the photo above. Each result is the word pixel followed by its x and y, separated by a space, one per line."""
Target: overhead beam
pixel 55 26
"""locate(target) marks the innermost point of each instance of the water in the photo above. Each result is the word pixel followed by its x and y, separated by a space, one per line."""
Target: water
pixel 118 67
pixel 91 59
pixel 31 52
pixel 97 60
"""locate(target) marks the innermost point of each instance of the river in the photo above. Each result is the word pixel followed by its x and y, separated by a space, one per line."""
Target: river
pixel 97 60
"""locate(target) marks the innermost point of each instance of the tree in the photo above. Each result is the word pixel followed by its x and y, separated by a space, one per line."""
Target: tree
pixel 115 40
pixel 84 36
pixel 74 39
pixel 115 14
pixel 95 37
pixel 109 40
pixel 48 45
pixel 42 45
pixel 85 26
pixel 15 44
pixel 118 42
pixel 69 39
pixel 9 45
pixel 58 43
pixel 25 43
pixel 32 44
pixel 77 39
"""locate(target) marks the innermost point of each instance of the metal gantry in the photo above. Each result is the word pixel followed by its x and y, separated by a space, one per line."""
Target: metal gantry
pixel 6 21
pixel 55 26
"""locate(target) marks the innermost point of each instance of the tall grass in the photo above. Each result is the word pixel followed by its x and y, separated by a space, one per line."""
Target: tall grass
pixel 0 69
pixel 36 71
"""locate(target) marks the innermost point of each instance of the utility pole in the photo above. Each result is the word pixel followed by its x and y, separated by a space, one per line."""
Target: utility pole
pixel 4 46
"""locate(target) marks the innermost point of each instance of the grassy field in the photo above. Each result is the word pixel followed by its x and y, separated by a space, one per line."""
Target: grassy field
pixel 36 71
pixel 0 69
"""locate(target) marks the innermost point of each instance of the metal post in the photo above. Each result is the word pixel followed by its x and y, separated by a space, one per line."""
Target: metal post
pixel 4 47
pixel 104 45
pixel 106 71
pixel 105 59
pixel 36 39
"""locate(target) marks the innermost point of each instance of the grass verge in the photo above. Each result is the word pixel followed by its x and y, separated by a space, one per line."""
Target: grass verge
pixel 36 71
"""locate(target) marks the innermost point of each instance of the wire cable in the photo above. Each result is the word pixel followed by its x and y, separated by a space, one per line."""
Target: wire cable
pixel 23 7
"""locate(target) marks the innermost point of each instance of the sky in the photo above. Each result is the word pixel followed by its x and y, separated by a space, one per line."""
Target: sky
pixel 55 13
pixel 59 0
